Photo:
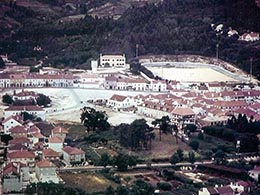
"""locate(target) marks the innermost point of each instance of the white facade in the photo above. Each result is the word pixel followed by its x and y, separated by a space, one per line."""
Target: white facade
pixel 17 110
pixel 118 102
pixel 56 144
pixel 158 86
pixel 112 60
pixel 46 172
pixel 8 124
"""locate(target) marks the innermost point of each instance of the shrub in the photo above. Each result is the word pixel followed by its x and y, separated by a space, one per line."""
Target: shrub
pixel 164 186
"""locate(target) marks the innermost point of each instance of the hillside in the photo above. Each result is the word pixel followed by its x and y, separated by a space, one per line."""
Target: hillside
pixel 59 33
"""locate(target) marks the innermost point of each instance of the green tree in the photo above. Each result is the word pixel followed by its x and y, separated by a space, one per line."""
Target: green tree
pixel 105 159
pixel 43 100
pixel 194 145
pixel 7 99
pixel 2 63
pixel 164 125
pixel 180 154
pixel 94 120
pixel 122 162
pixel 175 159
pixel 191 157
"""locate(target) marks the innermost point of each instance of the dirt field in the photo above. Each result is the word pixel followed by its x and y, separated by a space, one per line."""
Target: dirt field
pixel 164 148
pixel 90 182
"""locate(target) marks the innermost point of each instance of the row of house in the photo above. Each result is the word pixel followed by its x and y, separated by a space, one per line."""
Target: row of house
pixel 189 107
pixel 9 80
pixel 236 188
pixel 32 154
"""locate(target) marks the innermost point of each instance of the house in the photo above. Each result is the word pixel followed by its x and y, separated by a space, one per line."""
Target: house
pixel 50 154
pixel 31 109
pixel 21 140
pixel 25 95
pixel 46 172
pixel 56 143
pixel 72 155
pixel 254 173
pixel 12 121
pixel 112 60
pixel 232 32
pixel 23 156
pixel 110 82
pixel 242 187
pixel 252 36
pixel 18 131
pixel 118 102
pixel 183 115
pixel 225 190
pixel 59 132
pixel 15 177
pixel 158 85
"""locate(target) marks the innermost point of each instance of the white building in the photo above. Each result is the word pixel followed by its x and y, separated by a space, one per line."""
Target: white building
pixel 112 60
pixel 31 109
pixel 253 36
pixel 12 121
pixel 46 172
pixel 73 155
pixel 158 85
pixel 118 102
pixel 56 143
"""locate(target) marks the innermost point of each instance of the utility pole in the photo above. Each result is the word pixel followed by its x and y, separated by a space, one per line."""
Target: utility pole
pixel 136 50
pixel 217 46
pixel 251 69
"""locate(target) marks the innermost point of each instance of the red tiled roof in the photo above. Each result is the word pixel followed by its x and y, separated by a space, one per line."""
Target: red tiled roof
pixel 20 140
pixel 34 129
pixel 17 118
pixel 21 154
pixel 225 190
pixel 25 93
pixel 44 164
pixel 12 168
pixel 37 135
pixel 24 108
pixel 59 130
pixel 118 98
pixel 50 153
pixel 17 129
pixel 183 111
pixel 72 150
pixel 55 139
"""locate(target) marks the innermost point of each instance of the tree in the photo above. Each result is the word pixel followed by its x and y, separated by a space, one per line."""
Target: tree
pixel 191 157
pixel 2 63
pixel 94 120
pixel 43 100
pixel 164 125
pixel 27 116
pixel 122 162
pixel 105 159
pixel 137 135
pixel 175 159
pixel 194 144
pixel 7 99
pixel 180 154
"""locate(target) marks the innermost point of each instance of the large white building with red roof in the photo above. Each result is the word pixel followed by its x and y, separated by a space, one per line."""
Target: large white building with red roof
pixel 118 102
pixel 31 109
pixel 59 132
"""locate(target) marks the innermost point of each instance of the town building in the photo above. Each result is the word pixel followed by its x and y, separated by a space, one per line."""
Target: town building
pixel 118 102
pixel 30 109
pixel 72 155
pixel 12 121
pixel 46 172
pixel 252 36
pixel 112 60
pixel 56 143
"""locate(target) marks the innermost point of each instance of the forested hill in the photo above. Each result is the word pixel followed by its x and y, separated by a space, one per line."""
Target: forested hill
pixel 169 27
